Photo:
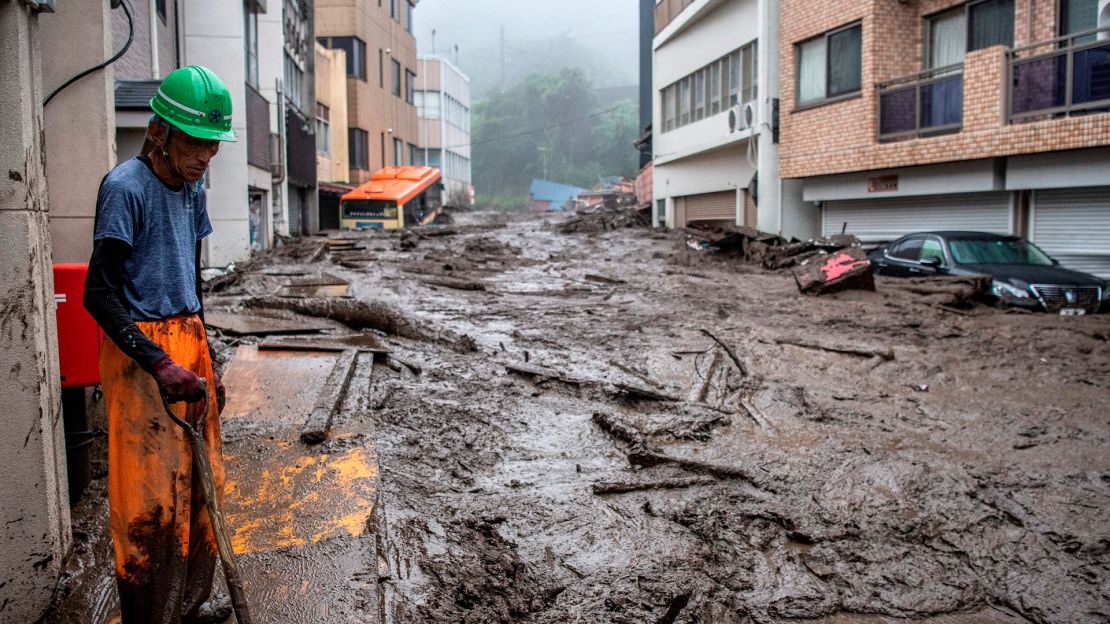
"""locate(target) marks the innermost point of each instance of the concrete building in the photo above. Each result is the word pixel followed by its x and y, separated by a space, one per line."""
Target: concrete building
pixel 984 115
pixel 332 164
pixel 247 44
pixel 381 79
pixel 443 130
pixel 716 155
pixel 34 516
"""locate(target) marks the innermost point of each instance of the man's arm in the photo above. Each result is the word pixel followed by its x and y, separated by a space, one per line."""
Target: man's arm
pixel 104 301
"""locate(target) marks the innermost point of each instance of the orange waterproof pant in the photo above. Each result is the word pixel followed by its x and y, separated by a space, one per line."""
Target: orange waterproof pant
pixel 165 549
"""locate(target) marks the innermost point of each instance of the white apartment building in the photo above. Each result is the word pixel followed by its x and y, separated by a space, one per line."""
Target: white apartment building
pixel 443 110
pixel 715 148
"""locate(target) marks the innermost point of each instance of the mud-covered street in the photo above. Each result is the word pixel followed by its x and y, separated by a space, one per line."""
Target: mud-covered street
pixel 611 427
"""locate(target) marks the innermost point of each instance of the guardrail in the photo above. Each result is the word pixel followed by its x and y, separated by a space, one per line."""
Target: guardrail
pixel 923 104
pixel 1059 77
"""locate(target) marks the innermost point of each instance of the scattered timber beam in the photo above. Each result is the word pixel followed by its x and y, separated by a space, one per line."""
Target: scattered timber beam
pixel 866 351
pixel 622 487
pixel 451 282
pixel 317 426
pixel 728 350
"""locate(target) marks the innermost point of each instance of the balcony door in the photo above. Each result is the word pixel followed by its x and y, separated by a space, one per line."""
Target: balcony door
pixel 947 42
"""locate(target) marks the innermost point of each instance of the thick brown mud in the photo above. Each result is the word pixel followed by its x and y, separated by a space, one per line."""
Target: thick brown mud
pixel 867 456
pixel 966 474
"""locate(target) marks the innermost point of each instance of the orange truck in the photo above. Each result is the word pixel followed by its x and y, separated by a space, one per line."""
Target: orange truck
pixel 395 197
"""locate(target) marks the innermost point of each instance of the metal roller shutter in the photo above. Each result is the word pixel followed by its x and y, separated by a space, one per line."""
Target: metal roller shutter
pixel 711 207
pixel 1073 226
pixel 882 220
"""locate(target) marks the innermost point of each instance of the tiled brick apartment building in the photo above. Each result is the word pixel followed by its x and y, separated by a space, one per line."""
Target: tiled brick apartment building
pixel 905 115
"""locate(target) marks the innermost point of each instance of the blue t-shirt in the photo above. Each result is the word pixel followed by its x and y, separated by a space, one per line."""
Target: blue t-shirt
pixel 162 225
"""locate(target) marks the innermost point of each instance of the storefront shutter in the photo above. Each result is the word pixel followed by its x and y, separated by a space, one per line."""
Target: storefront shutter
pixel 883 220
pixel 711 207
pixel 1073 226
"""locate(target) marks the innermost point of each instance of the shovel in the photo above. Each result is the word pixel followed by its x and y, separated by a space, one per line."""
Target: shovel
pixel 204 468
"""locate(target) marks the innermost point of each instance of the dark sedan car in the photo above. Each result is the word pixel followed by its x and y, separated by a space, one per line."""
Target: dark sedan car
pixel 1022 274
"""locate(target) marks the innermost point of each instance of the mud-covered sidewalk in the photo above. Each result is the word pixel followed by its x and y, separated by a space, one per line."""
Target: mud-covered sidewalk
pixel 610 427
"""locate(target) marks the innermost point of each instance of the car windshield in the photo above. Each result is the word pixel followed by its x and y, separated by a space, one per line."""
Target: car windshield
pixel 996 251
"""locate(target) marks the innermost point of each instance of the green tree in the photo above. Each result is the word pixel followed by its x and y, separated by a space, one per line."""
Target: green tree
pixel 550 123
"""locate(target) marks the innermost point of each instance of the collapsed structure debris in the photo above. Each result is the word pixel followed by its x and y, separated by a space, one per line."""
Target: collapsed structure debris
pixel 605 219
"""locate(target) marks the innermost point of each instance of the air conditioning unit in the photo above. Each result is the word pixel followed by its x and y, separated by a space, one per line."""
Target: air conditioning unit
pixel 741 117
pixel 736 119
pixel 749 114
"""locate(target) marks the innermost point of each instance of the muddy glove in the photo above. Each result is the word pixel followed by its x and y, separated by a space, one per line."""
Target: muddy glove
pixel 176 382
pixel 221 393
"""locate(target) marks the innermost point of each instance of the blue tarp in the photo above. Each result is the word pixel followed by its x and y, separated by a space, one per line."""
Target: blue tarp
pixel 554 192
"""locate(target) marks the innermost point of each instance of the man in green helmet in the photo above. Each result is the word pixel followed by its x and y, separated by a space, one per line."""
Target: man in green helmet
pixel 144 290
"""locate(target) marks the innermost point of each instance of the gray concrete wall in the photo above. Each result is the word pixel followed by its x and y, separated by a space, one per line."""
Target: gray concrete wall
pixel 34 514
pixel 80 121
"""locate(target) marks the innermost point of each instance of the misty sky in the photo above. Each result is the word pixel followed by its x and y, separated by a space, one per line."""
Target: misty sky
pixel 605 33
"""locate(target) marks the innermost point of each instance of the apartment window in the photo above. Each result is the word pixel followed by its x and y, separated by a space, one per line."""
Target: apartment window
pixel 684 101
pixel 829 65
pixel 1078 16
pixel 250 43
pixel 160 7
pixel 356 53
pixel 428 104
pixel 383 149
pixel 667 108
pixel 714 88
pixel 699 95
pixel 408 15
pixel 972 26
pixel 414 155
pixel 990 23
pixel 398 152
pixel 396 77
pixel 381 68
pixel 294 82
pixel 358 148
pixel 946 39
pixel 323 129
pixel 728 81
pixel 410 86
pixel 750 82
pixel 394 9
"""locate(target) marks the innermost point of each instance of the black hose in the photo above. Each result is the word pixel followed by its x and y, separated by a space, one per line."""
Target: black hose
pixel 130 38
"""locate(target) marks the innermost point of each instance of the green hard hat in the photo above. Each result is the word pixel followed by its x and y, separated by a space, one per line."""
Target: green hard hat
pixel 197 102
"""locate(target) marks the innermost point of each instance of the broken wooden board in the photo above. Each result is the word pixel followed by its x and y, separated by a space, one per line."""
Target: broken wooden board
pixel 322 285
pixel 252 325
pixel 365 343
pixel 318 425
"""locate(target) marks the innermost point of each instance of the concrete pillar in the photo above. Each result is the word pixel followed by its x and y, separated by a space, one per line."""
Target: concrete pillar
pixel 34 511
pixel 80 122
pixel 769 206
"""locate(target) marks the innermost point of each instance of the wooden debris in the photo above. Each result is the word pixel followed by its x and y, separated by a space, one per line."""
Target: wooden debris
pixel 637 392
pixel 618 429
pixel 451 282
pixel 637 374
pixel 622 487
pixel 701 391
pixel 601 279
pixel 353 313
pixel 250 325
pixel 543 372
pixel 645 457
pixel 364 343
pixel 867 351
pixel 728 350
pixel 318 425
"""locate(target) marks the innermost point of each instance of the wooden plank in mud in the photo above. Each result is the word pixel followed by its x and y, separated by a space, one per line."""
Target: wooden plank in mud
pixel 335 388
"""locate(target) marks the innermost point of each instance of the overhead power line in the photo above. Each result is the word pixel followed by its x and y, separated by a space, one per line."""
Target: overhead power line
pixel 565 122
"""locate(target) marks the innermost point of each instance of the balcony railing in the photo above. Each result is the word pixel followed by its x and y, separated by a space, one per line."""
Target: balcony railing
pixel 923 104
pixel 1069 75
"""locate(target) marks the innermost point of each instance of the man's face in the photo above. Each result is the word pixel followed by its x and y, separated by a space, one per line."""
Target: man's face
pixel 188 155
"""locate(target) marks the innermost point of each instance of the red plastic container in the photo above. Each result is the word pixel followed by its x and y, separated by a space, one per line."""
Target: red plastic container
pixel 78 334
